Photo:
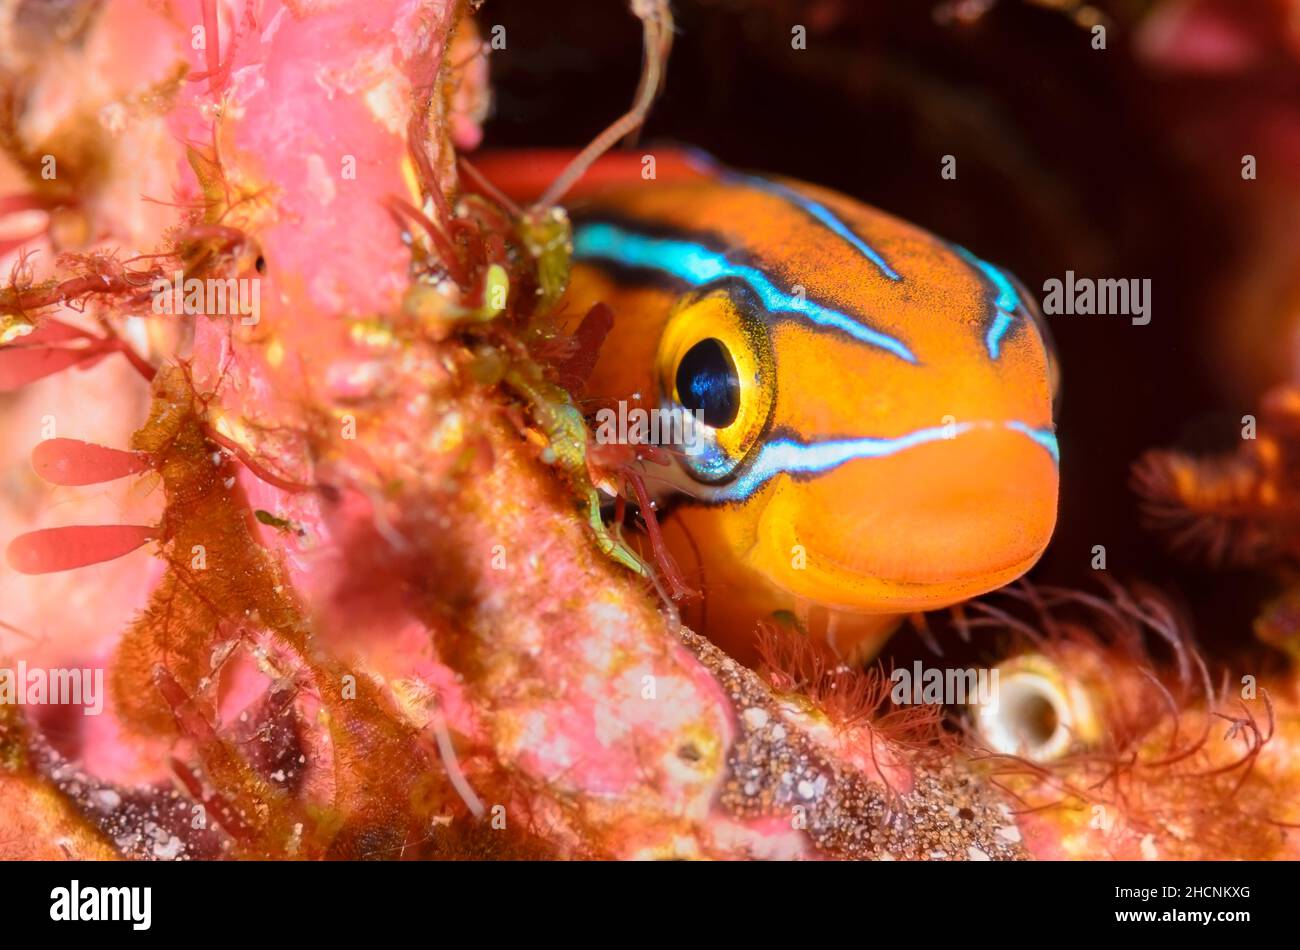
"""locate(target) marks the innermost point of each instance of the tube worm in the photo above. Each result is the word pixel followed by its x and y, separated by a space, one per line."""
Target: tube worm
pixel 1112 751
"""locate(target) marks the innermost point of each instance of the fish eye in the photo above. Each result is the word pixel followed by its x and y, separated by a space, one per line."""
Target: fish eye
pixel 260 264
pixel 716 371
pixel 708 385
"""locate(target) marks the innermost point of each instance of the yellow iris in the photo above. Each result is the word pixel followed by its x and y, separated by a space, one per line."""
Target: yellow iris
pixel 716 315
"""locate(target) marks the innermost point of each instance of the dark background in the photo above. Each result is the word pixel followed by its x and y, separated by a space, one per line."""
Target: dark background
pixel 1068 158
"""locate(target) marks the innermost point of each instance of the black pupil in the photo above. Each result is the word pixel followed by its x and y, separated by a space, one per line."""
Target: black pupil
pixel 707 383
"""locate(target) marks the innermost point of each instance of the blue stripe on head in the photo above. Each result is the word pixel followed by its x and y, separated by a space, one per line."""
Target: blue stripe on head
pixel 791 457
pixel 822 214
pixel 1044 437
pixel 786 456
pixel 1007 303
pixel 698 265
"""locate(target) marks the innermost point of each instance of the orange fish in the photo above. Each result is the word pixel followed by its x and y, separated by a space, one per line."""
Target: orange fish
pixel 859 413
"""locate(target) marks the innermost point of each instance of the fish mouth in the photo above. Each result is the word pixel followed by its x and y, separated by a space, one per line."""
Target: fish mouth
pixel 939 521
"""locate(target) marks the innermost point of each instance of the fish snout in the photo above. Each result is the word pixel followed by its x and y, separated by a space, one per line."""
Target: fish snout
pixel 949 516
